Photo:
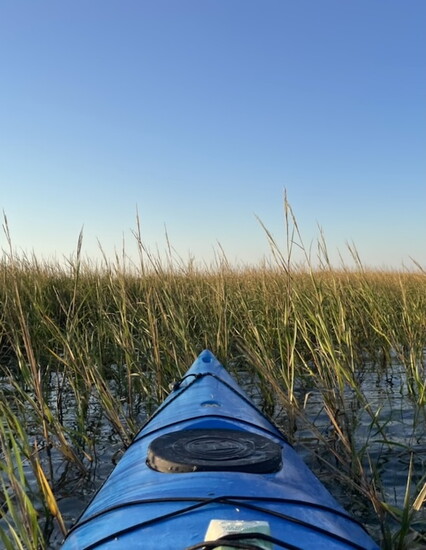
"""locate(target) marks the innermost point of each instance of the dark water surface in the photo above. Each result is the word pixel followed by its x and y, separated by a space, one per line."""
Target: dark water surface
pixel 387 446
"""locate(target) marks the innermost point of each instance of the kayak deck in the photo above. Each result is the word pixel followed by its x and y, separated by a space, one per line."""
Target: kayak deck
pixel 209 454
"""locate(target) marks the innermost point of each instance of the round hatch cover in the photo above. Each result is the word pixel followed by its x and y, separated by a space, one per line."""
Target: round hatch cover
pixel 213 450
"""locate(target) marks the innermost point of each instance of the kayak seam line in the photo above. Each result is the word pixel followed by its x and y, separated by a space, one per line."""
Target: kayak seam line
pixel 197 377
pixel 277 435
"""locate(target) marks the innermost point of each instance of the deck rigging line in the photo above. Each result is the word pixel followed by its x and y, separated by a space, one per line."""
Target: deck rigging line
pixel 231 501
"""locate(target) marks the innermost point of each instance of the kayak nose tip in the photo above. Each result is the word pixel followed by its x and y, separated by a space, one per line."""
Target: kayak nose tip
pixel 206 356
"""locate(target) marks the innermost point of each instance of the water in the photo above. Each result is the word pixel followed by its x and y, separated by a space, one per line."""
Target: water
pixel 387 446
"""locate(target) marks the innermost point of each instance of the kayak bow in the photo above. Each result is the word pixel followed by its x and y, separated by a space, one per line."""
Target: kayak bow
pixel 209 470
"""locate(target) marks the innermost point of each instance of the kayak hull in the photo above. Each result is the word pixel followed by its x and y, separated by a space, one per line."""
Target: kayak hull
pixel 139 507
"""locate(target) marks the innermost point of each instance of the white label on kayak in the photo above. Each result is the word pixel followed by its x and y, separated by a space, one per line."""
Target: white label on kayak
pixel 219 528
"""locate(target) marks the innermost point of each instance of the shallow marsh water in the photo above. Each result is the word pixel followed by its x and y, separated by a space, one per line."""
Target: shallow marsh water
pixel 397 438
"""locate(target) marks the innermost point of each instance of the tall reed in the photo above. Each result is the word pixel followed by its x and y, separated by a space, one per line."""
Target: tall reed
pixel 88 349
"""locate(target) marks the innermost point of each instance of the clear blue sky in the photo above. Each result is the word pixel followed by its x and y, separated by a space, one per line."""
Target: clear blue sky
pixel 201 112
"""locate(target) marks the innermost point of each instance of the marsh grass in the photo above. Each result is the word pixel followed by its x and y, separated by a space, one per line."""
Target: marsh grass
pixel 84 345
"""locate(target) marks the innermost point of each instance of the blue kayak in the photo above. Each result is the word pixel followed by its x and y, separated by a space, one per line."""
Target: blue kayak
pixel 209 470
